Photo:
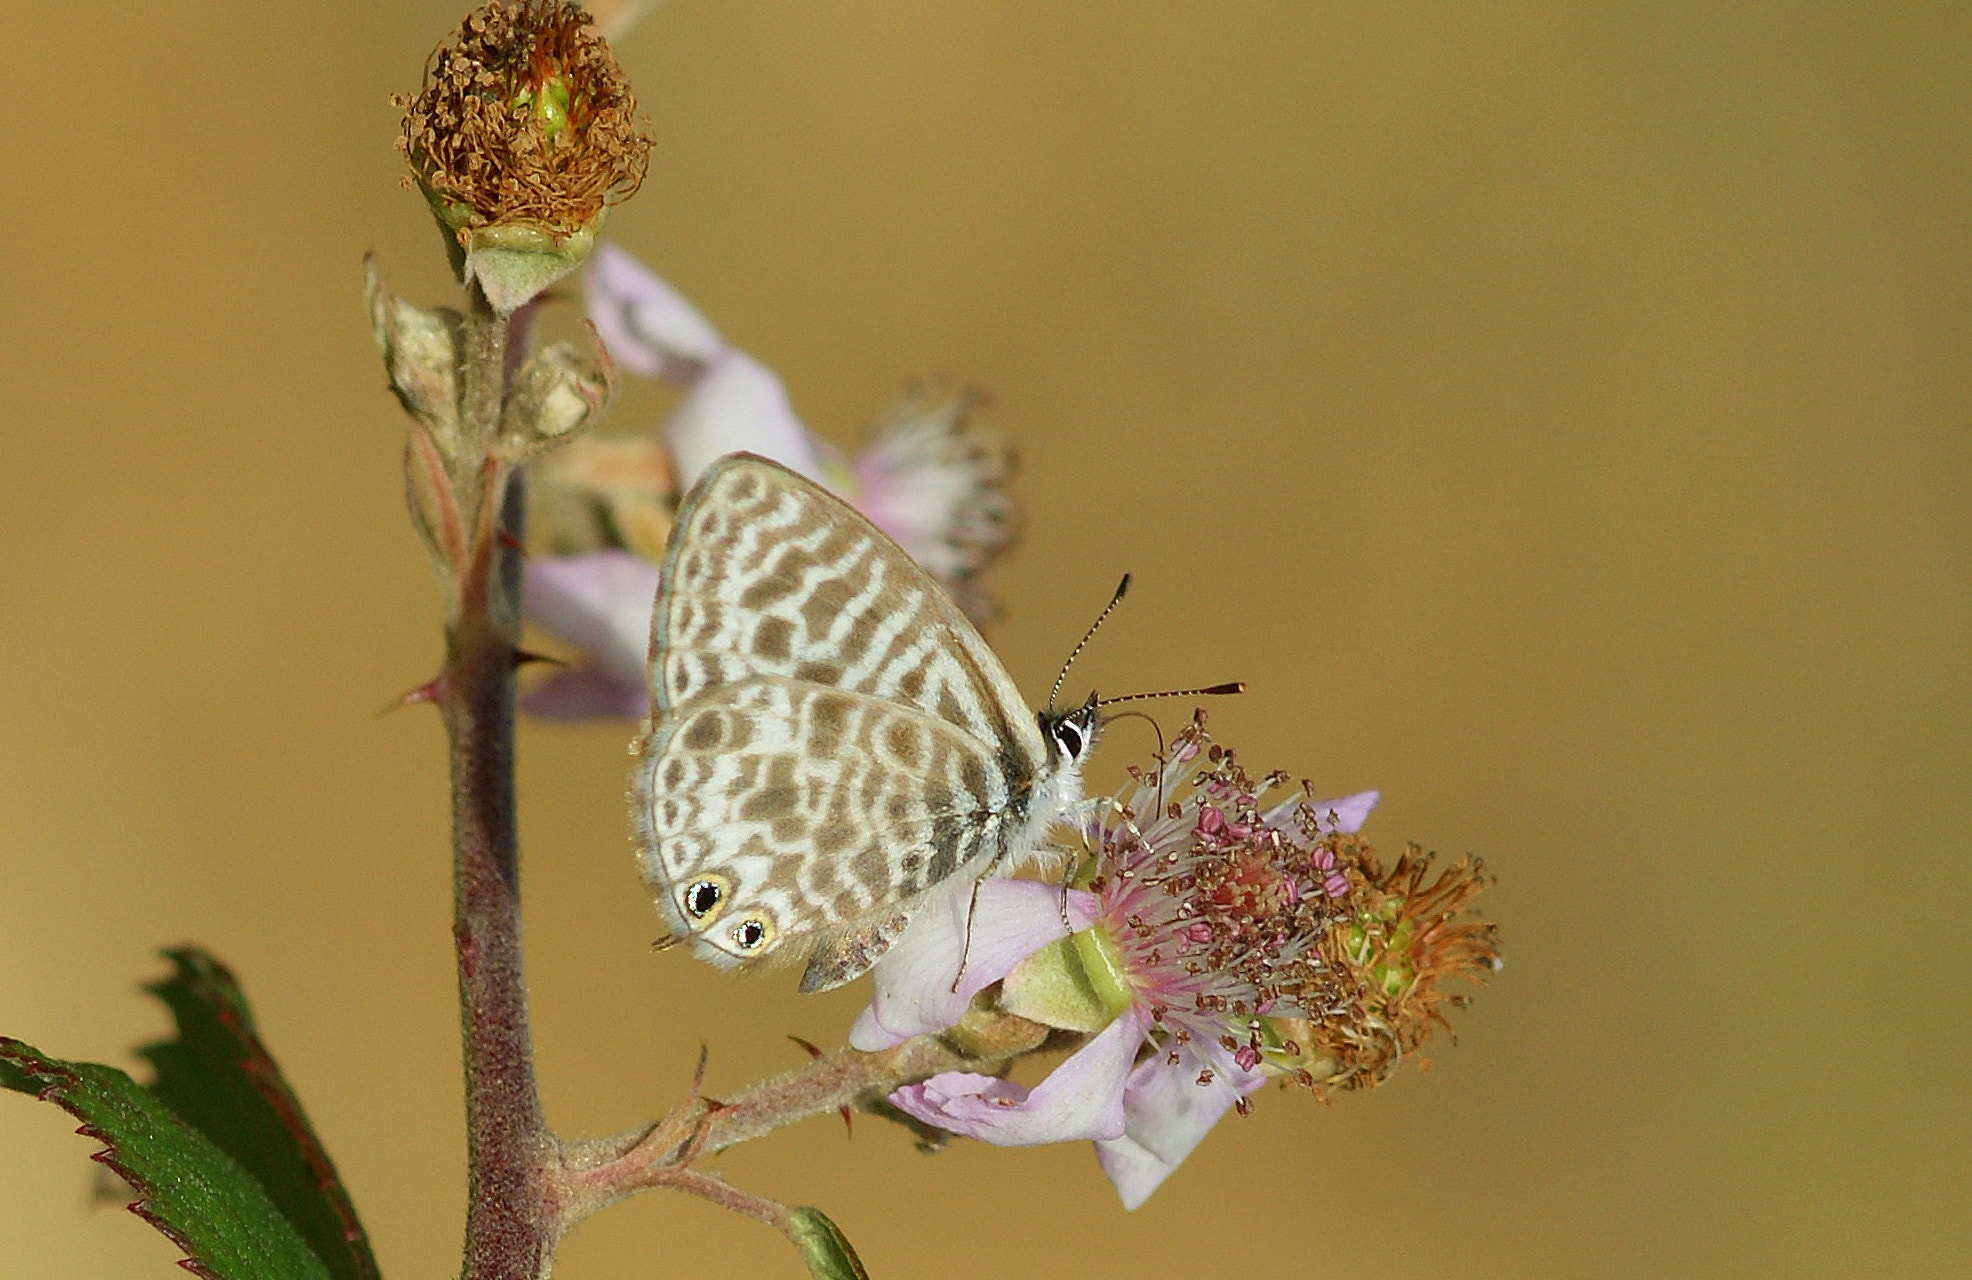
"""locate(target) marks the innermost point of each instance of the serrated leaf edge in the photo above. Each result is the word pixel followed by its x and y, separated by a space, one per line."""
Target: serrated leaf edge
pixel 41 1067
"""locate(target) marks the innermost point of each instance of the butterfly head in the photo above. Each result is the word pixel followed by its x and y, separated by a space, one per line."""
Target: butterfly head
pixel 1071 733
pixel 722 926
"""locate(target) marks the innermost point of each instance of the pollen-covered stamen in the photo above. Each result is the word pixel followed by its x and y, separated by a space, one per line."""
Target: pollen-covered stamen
pixel 1390 955
pixel 1217 914
pixel 1273 935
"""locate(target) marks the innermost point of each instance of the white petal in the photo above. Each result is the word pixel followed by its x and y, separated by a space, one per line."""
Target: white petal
pixel 935 480
pixel 1167 1113
pixel 738 405
pixel 1133 1171
pixel 646 324
pixel 600 602
pixel 913 981
pixel 1081 1098
pixel 1351 812
pixel 869 1035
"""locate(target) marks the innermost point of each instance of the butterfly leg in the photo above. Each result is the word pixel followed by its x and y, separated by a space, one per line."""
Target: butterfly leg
pixel 965 949
pixel 972 907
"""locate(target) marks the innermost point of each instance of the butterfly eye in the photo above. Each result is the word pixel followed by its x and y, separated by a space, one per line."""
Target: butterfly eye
pixel 751 934
pixel 1069 738
pixel 702 898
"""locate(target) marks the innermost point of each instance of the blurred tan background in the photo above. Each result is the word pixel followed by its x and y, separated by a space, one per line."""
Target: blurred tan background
pixel 1557 413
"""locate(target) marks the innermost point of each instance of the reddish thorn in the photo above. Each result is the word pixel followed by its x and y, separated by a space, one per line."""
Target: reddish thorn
pixel 510 542
pixel 524 656
pixel 426 692
pixel 813 1052
pixel 848 1129
pixel 698 1074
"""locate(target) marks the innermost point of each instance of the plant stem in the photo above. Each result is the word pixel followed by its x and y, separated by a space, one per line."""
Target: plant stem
pixel 598 1174
pixel 510 1221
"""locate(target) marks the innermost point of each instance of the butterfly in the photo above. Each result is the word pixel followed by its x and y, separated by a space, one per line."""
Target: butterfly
pixel 829 737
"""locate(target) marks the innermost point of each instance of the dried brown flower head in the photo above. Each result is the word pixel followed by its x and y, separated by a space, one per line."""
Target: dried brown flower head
pixel 526 117
pixel 524 134
pixel 1386 963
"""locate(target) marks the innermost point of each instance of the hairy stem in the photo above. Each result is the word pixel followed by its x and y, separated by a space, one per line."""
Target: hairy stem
pixel 598 1174
pixel 510 1223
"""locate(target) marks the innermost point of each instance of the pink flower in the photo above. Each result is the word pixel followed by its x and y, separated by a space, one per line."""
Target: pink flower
pixel 732 401
pixel 600 602
pixel 929 476
pixel 1204 915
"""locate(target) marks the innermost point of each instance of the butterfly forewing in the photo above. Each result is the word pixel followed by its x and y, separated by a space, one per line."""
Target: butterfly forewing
pixel 767 575
pixel 829 736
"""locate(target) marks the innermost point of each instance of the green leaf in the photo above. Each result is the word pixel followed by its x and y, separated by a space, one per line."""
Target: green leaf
pixel 219 1077
pixel 12 1077
pixel 187 1187
pixel 823 1246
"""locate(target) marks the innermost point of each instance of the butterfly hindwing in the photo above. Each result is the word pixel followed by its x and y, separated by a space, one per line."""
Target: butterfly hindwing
pixel 823 811
pixel 847 956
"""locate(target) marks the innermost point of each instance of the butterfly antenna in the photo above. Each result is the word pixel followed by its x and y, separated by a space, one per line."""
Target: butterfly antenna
pixel 1076 652
pixel 1213 691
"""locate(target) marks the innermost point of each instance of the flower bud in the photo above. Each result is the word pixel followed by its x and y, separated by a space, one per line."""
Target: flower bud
pixel 420 352
pixel 524 134
pixel 559 390
pixel 823 1246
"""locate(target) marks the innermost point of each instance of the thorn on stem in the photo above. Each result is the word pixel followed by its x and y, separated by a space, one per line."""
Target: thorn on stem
pixel 848 1118
pixel 524 656
pixel 701 1131
pixel 426 692
pixel 511 543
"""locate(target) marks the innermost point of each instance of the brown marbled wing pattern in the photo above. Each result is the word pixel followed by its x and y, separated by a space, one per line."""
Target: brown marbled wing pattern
pixel 767 574
pixel 829 812
pixel 829 736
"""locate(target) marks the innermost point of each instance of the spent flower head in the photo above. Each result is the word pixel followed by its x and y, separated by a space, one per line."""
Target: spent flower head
pixel 524 133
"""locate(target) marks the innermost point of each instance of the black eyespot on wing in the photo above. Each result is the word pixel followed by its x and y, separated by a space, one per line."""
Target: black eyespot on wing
pixel 750 934
pixel 701 898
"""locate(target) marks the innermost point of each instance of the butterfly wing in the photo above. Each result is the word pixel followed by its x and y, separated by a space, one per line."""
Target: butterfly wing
pixel 768 575
pixel 821 813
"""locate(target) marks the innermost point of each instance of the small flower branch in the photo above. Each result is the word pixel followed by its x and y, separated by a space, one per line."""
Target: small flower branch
pixel 600 1173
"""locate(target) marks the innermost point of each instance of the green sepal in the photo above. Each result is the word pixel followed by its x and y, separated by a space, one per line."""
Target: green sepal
pixel 187 1187
pixel 420 353
pixel 512 261
pixel 823 1246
